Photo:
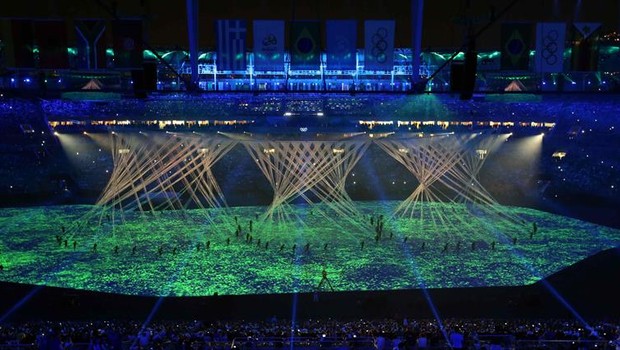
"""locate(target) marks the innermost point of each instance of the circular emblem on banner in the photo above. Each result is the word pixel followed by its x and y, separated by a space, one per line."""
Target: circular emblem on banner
pixel 550 47
pixel 305 45
pixel 380 44
pixel 270 40
pixel 515 47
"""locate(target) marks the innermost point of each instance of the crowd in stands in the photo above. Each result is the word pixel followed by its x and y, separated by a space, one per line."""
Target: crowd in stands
pixel 309 334
pixel 384 107
pixel 584 130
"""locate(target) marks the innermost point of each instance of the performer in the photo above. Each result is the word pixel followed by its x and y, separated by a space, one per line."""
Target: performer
pixel 324 280
pixel 94 247
pixel 74 244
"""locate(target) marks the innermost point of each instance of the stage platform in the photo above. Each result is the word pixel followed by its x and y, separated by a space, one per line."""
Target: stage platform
pixel 206 252
pixel 587 289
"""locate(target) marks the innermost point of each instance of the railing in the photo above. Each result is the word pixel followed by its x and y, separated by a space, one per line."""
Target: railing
pixel 494 342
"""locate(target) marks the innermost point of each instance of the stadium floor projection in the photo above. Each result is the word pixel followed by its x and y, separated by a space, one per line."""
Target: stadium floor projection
pixel 162 224
pixel 181 253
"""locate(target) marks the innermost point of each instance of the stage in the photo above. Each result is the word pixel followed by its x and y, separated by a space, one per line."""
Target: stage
pixel 201 252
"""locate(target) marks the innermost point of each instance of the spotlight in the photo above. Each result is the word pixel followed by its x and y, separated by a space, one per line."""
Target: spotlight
pixel 56 133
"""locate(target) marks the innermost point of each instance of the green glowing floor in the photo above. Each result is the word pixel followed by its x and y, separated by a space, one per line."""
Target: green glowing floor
pixel 30 253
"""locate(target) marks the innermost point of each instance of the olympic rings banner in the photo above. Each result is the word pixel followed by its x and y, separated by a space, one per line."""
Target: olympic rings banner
pixel 550 39
pixel 379 51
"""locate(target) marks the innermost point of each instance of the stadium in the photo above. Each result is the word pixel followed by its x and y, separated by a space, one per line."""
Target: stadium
pixel 318 195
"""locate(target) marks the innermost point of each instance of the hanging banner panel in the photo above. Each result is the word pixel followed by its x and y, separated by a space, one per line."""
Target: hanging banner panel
pixel 584 53
pixel 379 50
pixel 91 44
pixel 341 44
pixel 550 38
pixel 23 43
pixel 50 37
pixel 268 45
pixel 515 47
pixel 127 43
pixel 305 45
pixel 231 36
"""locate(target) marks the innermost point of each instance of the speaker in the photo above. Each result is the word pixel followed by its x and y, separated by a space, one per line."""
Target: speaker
pixel 150 76
pixel 463 75
pixel 137 77
pixel 469 74
pixel 457 70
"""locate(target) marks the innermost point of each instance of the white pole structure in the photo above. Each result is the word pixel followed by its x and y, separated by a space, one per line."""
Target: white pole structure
pixel 165 172
pixel 295 167
pixel 417 20
pixel 192 35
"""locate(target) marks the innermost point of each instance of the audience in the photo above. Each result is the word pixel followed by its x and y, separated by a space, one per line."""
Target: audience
pixel 273 333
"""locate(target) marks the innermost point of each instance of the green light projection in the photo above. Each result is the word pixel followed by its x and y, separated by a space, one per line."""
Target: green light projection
pixel 202 257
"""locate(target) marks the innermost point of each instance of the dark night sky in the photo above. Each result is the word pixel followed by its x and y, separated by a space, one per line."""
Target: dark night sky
pixel 166 19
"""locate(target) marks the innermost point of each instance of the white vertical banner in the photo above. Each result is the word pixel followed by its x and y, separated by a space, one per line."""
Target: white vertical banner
pixel 379 48
pixel 231 45
pixel 268 45
pixel 550 39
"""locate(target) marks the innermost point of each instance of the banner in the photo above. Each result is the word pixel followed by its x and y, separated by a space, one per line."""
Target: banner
pixel 584 53
pixel 91 44
pixel 231 45
pixel 341 44
pixel 127 43
pixel 305 45
pixel 550 39
pixel 51 40
pixel 515 47
pixel 22 34
pixel 268 45
pixel 379 50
